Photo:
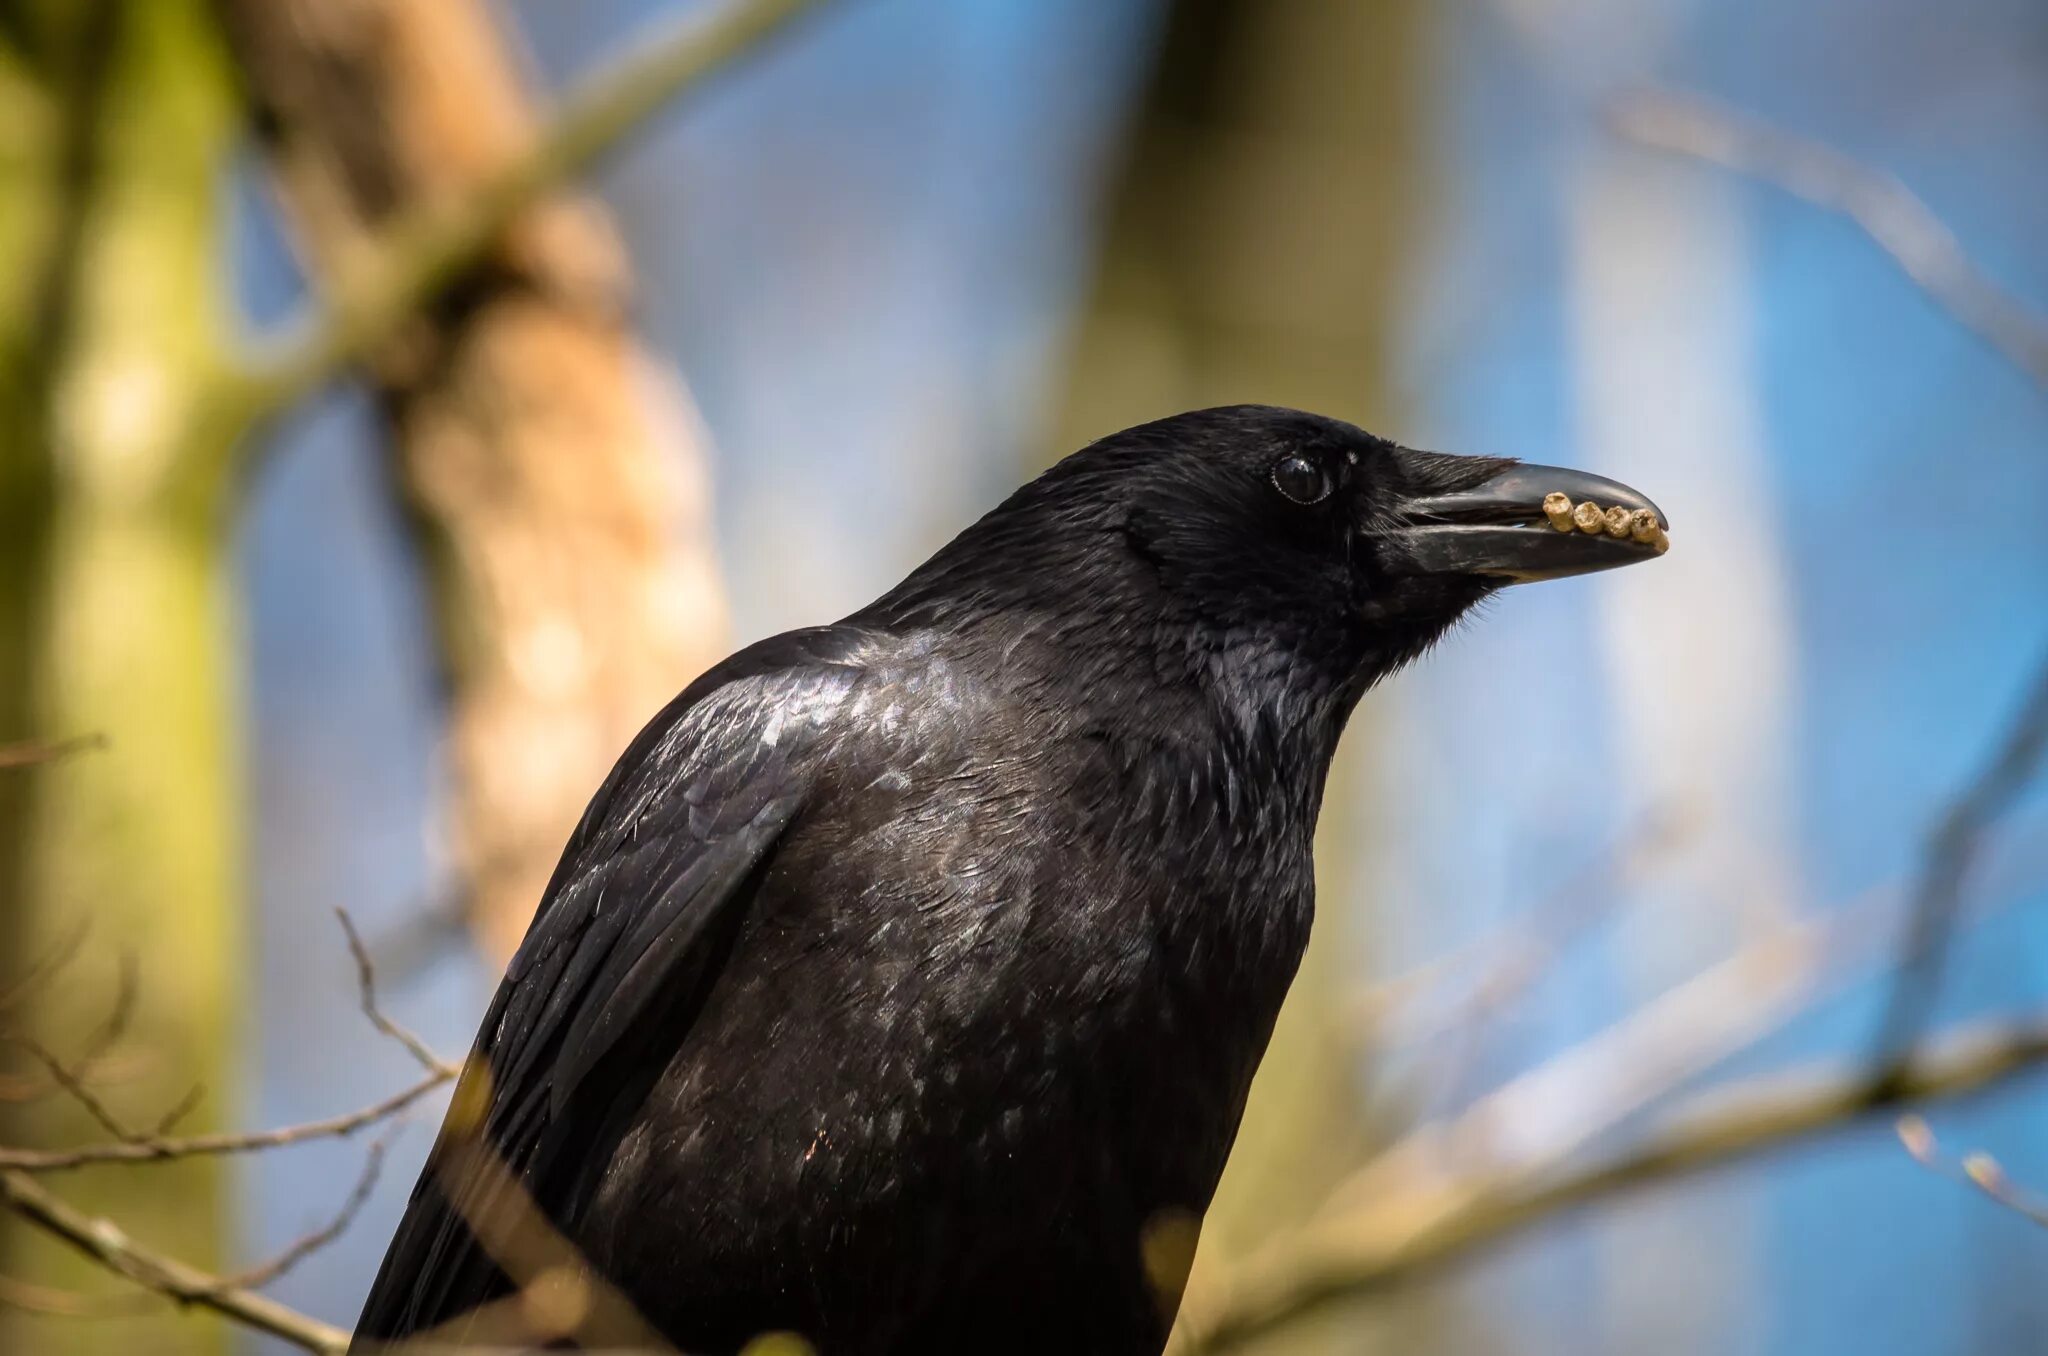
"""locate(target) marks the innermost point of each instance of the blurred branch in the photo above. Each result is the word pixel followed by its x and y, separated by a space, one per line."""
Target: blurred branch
pixel 71 1081
pixel 54 961
pixel 1889 212
pixel 51 1302
pixel 74 1077
pixel 1425 1191
pixel 558 1294
pixel 1469 985
pixel 1367 1249
pixel 1401 1211
pixel 34 753
pixel 571 594
pixel 1951 853
pixel 1544 1116
pixel 1977 1169
pixel 106 1243
pixel 429 249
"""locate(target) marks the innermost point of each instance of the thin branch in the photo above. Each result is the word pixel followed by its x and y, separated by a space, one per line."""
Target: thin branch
pixel 72 1083
pixel 1889 213
pixel 430 249
pixel 1542 1117
pixel 366 985
pixel 127 984
pixel 47 967
pixel 131 1147
pixel 105 1242
pixel 1368 1249
pixel 1467 987
pixel 263 1273
pixel 73 1077
pixel 50 1302
pixel 35 753
pixel 158 1149
pixel 180 1109
pixel 1978 1170
pixel 1951 853
pixel 1533 1128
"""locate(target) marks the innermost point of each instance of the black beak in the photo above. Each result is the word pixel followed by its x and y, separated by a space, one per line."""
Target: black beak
pixel 1527 523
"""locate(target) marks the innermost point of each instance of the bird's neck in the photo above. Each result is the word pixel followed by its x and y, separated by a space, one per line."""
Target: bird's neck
pixel 1246 714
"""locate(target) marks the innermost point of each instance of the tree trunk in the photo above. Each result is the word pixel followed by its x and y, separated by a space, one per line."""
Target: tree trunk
pixel 115 614
pixel 556 471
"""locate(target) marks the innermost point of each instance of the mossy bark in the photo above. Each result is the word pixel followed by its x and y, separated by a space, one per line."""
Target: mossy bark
pixel 116 616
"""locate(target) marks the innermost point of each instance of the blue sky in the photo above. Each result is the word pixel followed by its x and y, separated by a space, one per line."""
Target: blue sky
pixel 863 251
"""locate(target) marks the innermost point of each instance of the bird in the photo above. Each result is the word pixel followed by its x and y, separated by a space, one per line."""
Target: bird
pixel 903 983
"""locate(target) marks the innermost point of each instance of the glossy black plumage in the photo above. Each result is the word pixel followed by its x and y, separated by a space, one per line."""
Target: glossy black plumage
pixel 904 970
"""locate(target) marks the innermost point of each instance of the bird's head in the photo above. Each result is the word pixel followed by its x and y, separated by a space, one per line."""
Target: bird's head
pixel 1252 530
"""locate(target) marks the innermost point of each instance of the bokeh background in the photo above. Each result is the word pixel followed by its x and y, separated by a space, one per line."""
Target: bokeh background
pixel 916 249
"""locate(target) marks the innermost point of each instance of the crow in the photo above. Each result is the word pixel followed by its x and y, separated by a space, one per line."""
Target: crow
pixel 902 985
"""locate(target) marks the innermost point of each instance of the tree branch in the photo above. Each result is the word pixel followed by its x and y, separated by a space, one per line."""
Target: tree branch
pixel 299 1249
pixel 429 250
pixel 1950 854
pixel 156 1149
pixel 1404 1211
pixel 35 753
pixel 1369 1249
pixel 105 1242
pixel 1976 1169
pixel 1889 212
pixel 366 986
pixel 131 1147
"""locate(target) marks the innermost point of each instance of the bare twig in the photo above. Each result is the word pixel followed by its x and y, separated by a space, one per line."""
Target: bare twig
pixel 37 752
pixel 1978 1169
pixel 1529 1130
pixel 366 984
pixel 1370 1248
pixel 74 1077
pixel 233 1295
pixel 180 1109
pixel 72 1083
pixel 106 1243
pixel 46 968
pixel 51 1302
pixel 1951 852
pixel 115 1024
pixel 1476 980
pixel 431 249
pixel 131 1147
pixel 1540 1118
pixel 263 1273
pixel 1889 213
pixel 154 1149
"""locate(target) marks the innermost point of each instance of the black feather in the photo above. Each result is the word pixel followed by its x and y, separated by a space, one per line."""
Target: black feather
pixel 905 971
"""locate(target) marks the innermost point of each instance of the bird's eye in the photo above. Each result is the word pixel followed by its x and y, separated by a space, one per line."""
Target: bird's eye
pixel 1300 480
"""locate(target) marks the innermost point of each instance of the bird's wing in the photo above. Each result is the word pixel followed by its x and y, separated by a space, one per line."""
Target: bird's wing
pixel 628 935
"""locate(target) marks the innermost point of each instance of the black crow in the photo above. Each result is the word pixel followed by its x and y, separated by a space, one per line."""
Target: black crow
pixel 907 971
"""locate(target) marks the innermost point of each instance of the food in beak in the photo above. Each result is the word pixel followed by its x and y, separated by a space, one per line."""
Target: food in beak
pixel 1618 522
